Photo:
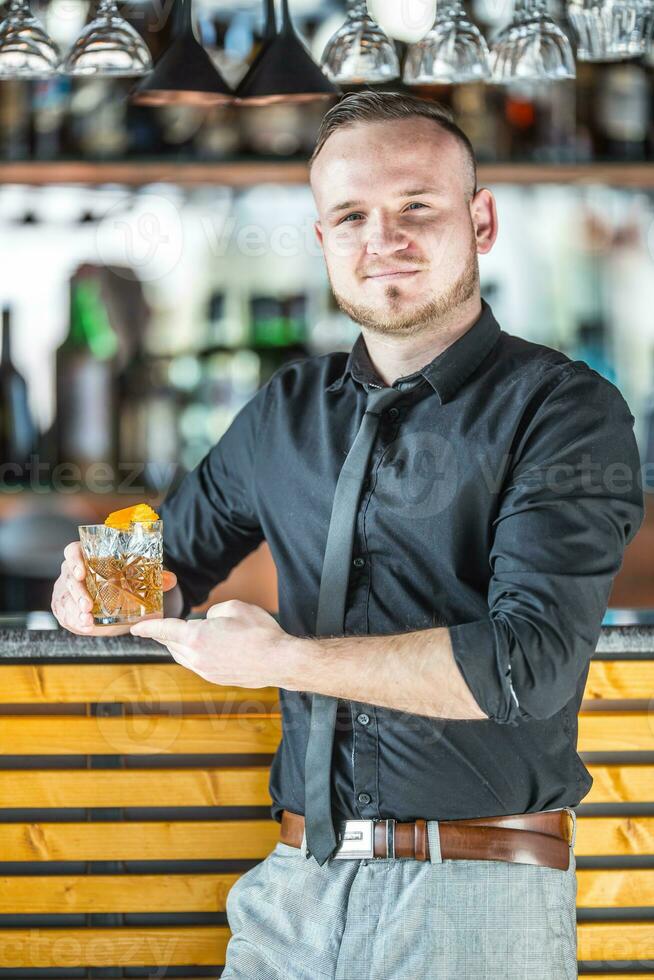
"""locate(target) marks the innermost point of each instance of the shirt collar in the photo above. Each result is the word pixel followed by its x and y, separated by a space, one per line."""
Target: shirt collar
pixel 446 373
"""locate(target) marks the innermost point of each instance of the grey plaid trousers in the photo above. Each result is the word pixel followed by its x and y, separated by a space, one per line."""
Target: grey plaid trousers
pixel 401 919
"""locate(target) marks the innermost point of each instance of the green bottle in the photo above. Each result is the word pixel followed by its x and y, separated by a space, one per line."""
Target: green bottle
pixel 86 380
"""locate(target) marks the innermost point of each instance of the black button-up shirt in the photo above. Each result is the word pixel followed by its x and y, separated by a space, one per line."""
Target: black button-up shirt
pixel 499 498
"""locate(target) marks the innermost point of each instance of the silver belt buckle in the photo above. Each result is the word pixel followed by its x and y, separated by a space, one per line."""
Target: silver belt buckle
pixel 355 839
pixel 574 825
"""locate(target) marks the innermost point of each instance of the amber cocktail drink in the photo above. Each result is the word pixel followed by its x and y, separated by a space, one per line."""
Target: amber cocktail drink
pixel 124 565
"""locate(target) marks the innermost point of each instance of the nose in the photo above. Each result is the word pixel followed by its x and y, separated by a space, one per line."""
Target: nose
pixel 384 236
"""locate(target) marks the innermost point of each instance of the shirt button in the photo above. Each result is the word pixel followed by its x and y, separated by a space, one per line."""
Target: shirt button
pixel 359 562
pixel 393 413
pixel 363 798
pixel 363 719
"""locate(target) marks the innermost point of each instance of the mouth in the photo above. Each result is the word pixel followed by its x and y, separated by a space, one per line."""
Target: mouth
pixel 387 276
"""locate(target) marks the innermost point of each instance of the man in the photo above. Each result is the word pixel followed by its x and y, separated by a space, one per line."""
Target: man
pixel 447 507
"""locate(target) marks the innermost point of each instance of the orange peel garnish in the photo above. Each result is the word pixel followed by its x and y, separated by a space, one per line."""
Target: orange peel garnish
pixel 123 519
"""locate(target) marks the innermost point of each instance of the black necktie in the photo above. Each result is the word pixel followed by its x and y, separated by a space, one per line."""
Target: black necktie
pixel 319 828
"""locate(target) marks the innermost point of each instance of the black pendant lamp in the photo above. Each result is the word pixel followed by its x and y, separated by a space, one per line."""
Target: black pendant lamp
pixel 283 71
pixel 270 32
pixel 184 74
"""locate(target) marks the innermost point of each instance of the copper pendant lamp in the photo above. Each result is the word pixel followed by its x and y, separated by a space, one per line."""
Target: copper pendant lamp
pixel 283 71
pixel 184 74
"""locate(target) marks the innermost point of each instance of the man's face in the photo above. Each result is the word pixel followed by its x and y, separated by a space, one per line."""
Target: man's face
pixel 395 225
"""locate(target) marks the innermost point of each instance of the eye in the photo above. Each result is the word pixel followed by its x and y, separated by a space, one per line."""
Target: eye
pixel 357 214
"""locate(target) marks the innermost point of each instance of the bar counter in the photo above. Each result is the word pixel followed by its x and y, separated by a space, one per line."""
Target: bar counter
pixel 133 794
pixel 631 637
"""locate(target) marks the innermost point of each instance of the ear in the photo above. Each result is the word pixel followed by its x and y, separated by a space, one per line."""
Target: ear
pixel 483 211
pixel 318 230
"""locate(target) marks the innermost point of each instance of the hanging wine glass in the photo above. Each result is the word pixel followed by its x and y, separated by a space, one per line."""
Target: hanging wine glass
pixel 108 45
pixel 647 8
pixel 531 48
pixel 454 50
pixel 610 30
pixel 359 51
pixel 26 50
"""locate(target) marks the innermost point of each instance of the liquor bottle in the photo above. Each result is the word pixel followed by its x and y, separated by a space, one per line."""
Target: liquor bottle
pixel 277 322
pixel 17 431
pixel 331 329
pixel 219 135
pixel 85 379
pixel 149 408
pixel 14 119
pixel 278 330
pixel 438 92
pixel 541 122
pixel 98 108
pixel 49 106
pixel 622 111
pixel 477 110
pixel 585 97
pixel 592 345
pixel 224 327
pixel 143 131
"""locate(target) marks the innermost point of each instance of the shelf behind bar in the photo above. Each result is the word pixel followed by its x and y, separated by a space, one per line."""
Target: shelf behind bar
pixel 246 173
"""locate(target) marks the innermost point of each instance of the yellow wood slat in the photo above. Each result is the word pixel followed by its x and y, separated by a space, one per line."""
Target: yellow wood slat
pixel 74 683
pixel 616 731
pixel 129 947
pixel 192 840
pixel 79 683
pixel 206 945
pixel 36 894
pixel 614 836
pixel 621 784
pixel 138 735
pixel 615 940
pixel 618 679
pixel 199 839
pixel 599 731
pixel 615 887
pixel 44 894
pixel 237 786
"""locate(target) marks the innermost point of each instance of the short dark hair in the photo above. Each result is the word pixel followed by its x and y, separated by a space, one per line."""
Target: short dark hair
pixel 374 106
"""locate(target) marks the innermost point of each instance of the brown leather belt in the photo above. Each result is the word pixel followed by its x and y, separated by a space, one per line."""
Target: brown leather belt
pixel 544 838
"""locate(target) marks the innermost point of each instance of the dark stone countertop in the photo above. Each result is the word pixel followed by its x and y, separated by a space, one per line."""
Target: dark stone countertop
pixel 17 644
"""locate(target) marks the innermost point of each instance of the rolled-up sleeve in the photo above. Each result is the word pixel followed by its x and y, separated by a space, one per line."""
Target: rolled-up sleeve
pixel 210 520
pixel 571 502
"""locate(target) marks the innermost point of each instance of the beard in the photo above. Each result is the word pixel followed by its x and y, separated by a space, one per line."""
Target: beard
pixel 414 321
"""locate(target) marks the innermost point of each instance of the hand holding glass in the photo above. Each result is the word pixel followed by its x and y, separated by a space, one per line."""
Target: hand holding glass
pixel 124 570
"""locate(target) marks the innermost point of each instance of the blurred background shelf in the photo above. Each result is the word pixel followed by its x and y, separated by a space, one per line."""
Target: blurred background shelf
pixel 249 173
